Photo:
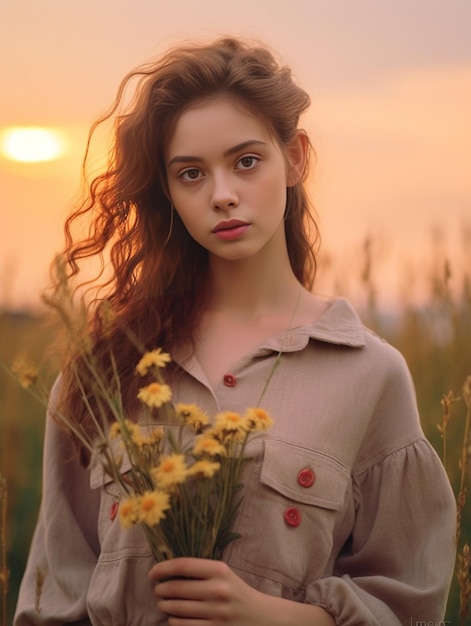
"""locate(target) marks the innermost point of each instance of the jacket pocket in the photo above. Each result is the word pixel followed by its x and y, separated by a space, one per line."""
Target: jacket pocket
pixel 115 541
pixel 120 591
pixel 287 522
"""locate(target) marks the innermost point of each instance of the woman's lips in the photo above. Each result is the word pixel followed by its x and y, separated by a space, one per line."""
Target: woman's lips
pixel 230 229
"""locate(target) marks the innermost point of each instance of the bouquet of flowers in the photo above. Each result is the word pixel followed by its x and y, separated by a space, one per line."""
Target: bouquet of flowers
pixel 178 471
pixel 184 472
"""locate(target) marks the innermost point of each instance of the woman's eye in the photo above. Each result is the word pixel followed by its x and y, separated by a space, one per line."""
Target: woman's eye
pixel 248 162
pixel 190 174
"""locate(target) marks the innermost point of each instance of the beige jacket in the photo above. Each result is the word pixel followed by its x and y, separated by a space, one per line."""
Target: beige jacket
pixel 346 504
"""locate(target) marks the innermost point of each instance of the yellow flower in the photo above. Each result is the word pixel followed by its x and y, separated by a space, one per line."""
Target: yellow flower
pixel 204 468
pixel 27 373
pixel 230 421
pixel 129 428
pixel 132 429
pixel 152 507
pixel 155 394
pixel 151 439
pixel 157 435
pixel 192 415
pixel 155 358
pixel 139 439
pixel 171 471
pixel 258 419
pixel 129 512
pixel 115 430
pixel 205 445
pixel 230 427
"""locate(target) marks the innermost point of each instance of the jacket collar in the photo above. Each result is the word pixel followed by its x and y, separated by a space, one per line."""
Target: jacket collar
pixel 339 325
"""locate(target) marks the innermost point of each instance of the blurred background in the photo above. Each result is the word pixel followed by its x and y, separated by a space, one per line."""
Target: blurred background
pixel 390 83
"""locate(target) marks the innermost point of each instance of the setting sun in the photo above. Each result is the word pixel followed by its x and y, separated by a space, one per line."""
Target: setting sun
pixel 32 144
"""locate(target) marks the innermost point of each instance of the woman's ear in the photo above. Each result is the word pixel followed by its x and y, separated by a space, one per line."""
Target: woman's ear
pixel 297 154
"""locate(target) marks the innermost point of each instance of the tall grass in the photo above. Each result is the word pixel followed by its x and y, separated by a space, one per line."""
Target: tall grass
pixel 21 436
pixel 434 335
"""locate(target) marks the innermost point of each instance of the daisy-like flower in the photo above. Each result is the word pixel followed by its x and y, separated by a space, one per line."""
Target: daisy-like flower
pixel 208 446
pixel 230 423
pixel 230 427
pixel 171 471
pixel 155 394
pixel 152 507
pixel 204 468
pixel 115 430
pixel 156 435
pixel 192 415
pixel 129 512
pixel 258 419
pixel 128 428
pixel 155 358
pixel 149 439
pixel 139 439
pixel 133 430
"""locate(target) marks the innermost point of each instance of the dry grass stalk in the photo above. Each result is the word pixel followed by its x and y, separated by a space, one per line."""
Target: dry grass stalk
pixel 463 556
pixel 463 462
pixel 464 563
pixel 464 560
pixel 4 573
pixel 447 402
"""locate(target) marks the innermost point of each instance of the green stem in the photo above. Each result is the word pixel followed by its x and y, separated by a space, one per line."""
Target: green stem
pixel 270 376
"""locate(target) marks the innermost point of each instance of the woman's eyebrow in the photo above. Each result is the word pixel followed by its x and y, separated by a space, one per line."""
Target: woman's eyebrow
pixel 196 159
pixel 243 145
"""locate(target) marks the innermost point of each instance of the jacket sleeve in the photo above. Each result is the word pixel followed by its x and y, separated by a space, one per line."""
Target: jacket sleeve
pixel 65 545
pixel 397 566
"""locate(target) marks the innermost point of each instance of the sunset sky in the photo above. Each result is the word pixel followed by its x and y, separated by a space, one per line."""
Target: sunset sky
pixel 390 82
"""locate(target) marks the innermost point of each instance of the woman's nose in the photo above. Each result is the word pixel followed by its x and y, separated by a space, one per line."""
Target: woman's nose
pixel 224 194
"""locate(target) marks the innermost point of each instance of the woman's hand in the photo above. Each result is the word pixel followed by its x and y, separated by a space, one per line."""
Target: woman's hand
pixel 203 592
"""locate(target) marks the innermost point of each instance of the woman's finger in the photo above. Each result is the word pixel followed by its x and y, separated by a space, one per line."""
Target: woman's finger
pixel 181 588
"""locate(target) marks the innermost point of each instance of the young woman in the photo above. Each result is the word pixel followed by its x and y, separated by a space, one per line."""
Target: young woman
pixel 347 517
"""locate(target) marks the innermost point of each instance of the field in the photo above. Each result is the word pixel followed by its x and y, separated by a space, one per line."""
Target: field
pixel 435 338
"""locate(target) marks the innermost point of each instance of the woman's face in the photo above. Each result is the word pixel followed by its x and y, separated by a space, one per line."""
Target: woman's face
pixel 227 179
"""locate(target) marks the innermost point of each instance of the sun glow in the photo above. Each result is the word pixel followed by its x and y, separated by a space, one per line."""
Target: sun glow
pixel 32 144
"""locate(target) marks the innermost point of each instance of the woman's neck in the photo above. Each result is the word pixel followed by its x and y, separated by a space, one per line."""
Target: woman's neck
pixel 249 303
pixel 252 288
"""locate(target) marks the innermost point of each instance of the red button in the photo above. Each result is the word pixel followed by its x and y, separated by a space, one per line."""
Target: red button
pixel 114 511
pixel 229 380
pixel 292 516
pixel 306 477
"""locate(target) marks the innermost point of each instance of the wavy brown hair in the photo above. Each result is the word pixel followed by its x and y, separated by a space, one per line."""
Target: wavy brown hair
pixel 157 285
